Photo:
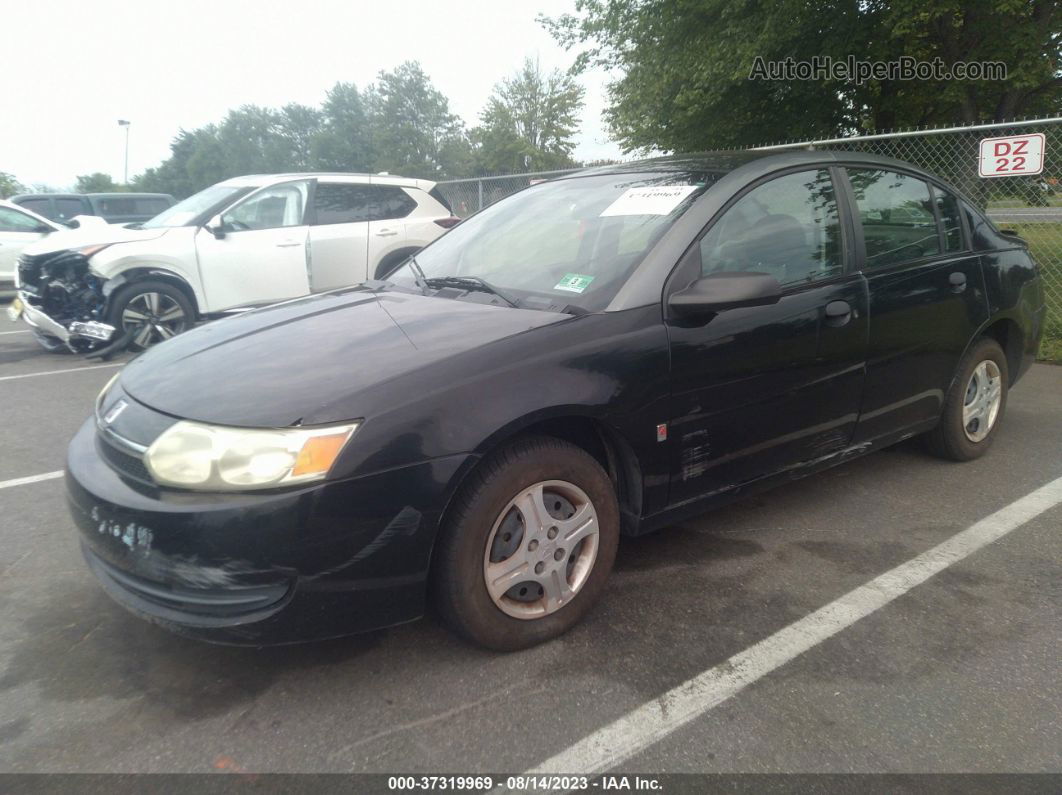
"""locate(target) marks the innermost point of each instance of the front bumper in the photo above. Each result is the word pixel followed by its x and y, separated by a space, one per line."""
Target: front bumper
pixel 40 321
pixel 260 569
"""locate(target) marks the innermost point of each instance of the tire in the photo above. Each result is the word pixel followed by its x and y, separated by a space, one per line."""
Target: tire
pixel 50 343
pixel 483 524
pixel 978 393
pixel 131 307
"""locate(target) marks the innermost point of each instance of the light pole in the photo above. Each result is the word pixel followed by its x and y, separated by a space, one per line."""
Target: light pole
pixel 124 123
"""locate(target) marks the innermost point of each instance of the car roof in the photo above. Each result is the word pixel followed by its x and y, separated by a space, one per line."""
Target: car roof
pixel 127 195
pixel 723 162
pixel 261 180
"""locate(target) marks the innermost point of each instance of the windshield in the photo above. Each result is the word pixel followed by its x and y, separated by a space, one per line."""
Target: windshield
pixel 189 211
pixel 573 242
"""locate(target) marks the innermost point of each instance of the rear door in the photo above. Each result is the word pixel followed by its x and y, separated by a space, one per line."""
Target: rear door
pixel 339 234
pixel 261 258
pixel 927 296
pixel 761 389
pixel 391 208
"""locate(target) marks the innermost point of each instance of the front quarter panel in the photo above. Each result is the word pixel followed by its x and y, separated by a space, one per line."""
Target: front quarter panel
pixel 173 252
pixel 610 367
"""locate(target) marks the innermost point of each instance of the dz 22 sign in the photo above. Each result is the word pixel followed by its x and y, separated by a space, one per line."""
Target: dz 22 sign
pixel 1011 156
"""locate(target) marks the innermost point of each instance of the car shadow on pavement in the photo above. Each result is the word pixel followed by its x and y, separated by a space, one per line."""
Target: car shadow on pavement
pixel 79 645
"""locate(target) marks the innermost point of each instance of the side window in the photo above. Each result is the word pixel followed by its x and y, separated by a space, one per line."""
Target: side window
pixel 340 203
pixel 110 208
pixel 65 209
pixel 278 206
pixel 787 227
pixel 39 206
pixel 14 221
pixel 391 202
pixel 898 221
pixel 948 206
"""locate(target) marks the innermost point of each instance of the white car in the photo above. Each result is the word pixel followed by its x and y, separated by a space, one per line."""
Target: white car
pixel 245 242
pixel 18 228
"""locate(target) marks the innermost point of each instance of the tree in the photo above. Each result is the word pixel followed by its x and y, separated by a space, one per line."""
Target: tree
pixel 343 142
pixel 685 65
pixel 530 121
pixel 97 182
pixel 410 121
pixel 9 186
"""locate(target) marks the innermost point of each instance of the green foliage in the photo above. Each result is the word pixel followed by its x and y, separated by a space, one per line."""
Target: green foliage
pixel 529 122
pixel 684 65
pixel 401 124
pixel 9 186
pixel 97 183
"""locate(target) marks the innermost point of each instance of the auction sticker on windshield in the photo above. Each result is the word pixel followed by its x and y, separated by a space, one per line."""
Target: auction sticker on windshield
pixel 659 200
pixel 574 283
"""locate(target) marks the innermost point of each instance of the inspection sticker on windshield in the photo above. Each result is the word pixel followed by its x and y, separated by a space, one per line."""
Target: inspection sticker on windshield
pixel 574 282
pixel 659 200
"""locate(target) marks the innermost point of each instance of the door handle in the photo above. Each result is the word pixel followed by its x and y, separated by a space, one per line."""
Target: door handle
pixel 386 233
pixel 957 281
pixel 289 244
pixel 838 313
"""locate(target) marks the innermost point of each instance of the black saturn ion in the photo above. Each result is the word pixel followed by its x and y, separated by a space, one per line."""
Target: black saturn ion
pixel 599 355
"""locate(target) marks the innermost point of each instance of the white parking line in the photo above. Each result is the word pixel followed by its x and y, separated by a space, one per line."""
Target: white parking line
pixel 6 484
pixel 59 372
pixel 20 331
pixel 617 742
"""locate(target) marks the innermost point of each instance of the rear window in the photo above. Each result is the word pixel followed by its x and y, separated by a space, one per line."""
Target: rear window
pixel 390 202
pixel 436 194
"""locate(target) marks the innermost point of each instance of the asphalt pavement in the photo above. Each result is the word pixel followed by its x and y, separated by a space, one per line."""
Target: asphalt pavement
pixel 956 673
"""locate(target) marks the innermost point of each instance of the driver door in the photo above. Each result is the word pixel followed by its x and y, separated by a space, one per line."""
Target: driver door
pixel 261 254
pixel 757 390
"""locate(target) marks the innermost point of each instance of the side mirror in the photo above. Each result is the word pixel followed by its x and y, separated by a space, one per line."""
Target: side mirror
pixel 725 291
pixel 216 227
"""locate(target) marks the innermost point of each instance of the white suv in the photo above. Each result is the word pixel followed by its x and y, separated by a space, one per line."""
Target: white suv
pixel 245 242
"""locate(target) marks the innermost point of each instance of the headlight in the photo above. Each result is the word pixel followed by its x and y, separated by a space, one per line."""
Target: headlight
pixel 103 392
pixel 192 455
pixel 88 251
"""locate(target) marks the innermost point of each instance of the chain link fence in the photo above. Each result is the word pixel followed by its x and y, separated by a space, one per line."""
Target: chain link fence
pixel 1028 205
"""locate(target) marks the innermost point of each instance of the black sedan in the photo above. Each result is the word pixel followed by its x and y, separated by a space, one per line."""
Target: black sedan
pixel 600 355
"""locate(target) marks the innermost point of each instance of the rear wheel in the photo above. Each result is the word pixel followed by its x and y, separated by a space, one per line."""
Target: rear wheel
pixel 151 311
pixel 528 545
pixel 974 406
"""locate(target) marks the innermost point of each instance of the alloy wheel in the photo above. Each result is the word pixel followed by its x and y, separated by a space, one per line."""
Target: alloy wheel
pixel 153 317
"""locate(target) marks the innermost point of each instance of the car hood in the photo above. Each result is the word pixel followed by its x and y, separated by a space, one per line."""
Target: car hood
pixel 307 361
pixel 90 234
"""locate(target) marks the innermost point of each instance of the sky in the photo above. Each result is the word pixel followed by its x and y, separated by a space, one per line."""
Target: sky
pixel 77 66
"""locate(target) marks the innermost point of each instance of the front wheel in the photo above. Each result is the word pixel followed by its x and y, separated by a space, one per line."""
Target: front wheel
pixel 974 405
pixel 527 546
pixel 150 312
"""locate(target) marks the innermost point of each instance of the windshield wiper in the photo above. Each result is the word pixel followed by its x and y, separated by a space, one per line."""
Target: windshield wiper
pixel 471 283
pixel 418 275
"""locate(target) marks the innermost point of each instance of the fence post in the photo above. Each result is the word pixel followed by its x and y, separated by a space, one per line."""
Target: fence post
pixel 479 185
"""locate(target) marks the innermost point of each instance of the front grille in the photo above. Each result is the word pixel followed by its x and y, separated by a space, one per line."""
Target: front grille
pixel 125 463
